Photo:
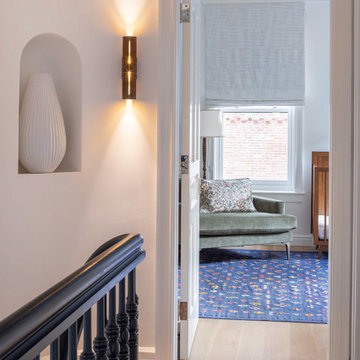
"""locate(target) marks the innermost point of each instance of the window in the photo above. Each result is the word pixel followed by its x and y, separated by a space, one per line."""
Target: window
pixel 259 143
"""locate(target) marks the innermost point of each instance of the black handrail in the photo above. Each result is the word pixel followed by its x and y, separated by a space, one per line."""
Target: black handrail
pixel 26 332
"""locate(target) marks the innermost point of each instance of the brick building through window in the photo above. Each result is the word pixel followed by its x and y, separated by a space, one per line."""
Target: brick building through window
pixel 256 145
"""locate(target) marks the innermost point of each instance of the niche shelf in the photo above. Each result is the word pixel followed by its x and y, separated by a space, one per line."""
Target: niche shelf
pixel 55 55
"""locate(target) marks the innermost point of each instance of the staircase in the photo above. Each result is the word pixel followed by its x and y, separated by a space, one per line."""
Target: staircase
pixel 58 317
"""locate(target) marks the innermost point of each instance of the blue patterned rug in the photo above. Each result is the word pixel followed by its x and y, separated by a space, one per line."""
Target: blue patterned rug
pixel 263 285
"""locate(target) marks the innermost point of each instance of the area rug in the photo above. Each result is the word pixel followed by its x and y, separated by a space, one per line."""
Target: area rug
pixel 263 285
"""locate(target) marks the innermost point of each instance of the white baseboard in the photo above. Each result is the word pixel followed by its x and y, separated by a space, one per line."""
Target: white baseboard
pixel 146 353
pixel 46 356
pixel 302 240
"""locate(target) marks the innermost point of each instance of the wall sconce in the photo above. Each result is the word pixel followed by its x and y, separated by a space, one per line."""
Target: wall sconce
pixel 129 65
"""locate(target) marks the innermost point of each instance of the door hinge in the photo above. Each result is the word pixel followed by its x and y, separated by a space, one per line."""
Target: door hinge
pixel 184 13
pixel 183 310
pixel 184 164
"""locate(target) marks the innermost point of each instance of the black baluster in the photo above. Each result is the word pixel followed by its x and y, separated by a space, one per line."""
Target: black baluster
pixel 112 330
pixel 100 342
pixel 72 349
pixel 64 345
pixel 123 323
pixel 87 353
pixel 132 310
pixel 54 350
pixel 37 357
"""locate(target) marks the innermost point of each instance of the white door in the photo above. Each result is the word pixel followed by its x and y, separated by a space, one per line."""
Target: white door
pixel 190 150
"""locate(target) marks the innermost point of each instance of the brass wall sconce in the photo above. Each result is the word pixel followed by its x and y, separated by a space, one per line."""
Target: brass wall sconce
pixel 129 68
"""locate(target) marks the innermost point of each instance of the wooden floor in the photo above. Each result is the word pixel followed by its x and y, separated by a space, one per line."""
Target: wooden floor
pixel 259 340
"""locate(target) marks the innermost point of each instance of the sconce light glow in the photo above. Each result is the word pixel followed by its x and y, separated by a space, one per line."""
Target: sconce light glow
pixel 129 68
pixel 128 12
pixel 128 105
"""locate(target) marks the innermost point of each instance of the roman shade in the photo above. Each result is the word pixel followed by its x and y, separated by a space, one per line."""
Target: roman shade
pixel 254 54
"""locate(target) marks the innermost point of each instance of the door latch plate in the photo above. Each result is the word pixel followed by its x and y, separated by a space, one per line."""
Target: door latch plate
pixel 184 164
pixel 184 13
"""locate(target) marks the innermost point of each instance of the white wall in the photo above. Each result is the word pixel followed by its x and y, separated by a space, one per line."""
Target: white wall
pixel 50 224
pixel 316 123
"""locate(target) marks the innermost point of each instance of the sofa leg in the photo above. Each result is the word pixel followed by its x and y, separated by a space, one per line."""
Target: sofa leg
pixel 287 245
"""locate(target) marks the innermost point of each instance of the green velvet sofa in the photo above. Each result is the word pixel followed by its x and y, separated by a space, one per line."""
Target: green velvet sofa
pixel 269 225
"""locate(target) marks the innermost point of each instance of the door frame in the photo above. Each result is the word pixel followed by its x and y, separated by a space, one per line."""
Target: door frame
pixel 355 325
pixel 344 289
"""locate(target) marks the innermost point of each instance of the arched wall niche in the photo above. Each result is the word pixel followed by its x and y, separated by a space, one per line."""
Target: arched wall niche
pixel 55 55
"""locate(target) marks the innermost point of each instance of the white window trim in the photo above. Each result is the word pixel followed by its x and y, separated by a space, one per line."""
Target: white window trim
pixel 217 158
pixel 294 183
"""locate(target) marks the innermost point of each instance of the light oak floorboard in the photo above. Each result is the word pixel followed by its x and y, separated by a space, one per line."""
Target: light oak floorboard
pixel 259 340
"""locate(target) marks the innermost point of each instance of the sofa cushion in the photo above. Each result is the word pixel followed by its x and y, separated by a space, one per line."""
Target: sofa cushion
pixel 217 196
pixel 245 223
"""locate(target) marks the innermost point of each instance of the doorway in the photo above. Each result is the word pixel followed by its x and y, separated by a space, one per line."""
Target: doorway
pixel 271 145
pixel 341 187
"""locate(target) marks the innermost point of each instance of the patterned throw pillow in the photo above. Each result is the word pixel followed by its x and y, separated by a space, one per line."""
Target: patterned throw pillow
pixel 226 196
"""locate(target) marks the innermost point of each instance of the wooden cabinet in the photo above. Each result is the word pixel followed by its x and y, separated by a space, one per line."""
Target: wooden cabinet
pixel 320 200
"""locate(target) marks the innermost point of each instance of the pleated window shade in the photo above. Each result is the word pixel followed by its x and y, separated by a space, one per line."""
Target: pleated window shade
pixel 254 54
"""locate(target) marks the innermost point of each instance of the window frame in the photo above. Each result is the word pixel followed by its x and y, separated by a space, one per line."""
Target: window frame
pixel 294 166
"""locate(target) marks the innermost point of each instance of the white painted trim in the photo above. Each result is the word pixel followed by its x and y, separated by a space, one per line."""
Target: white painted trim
pixel 46 355
pixel 147 353
pixel 341 196
pixel 341 184
pixel 292 193
pixel 355 324
pixel 302 240
pixel 262 1
pixel 287 197
pixel 167 183
pixel 295 149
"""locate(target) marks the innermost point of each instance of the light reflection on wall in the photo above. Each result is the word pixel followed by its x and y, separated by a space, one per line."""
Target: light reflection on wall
pixel 129 105
pixel 130 130
pixel 129 115
pixel 125 16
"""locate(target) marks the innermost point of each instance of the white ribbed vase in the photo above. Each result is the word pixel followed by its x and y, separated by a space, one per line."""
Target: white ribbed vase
pixel 42 139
